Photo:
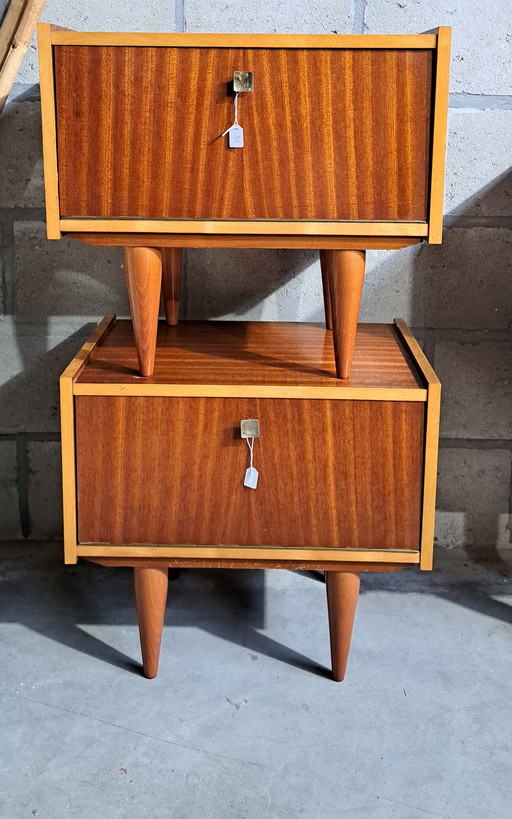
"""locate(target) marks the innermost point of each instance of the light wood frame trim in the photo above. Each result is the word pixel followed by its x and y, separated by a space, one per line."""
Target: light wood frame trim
pixel 428 519
pixel 75 367
pixel 67 432
pixel 249 553
pixel 212 226
pixel 433 411
pixel 67 420
pixel 49 128
pixel 417 354
pixel 190 40
pixel 251 391
pixel 440 124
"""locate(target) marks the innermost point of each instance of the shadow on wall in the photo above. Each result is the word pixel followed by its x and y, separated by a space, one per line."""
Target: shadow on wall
pixel 463 291
pixel 463 284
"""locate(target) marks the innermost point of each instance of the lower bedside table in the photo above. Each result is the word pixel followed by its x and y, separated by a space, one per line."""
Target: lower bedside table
pixel 153 468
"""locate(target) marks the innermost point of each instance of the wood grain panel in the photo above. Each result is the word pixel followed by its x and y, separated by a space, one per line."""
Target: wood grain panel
pixel 253 353
pixel 170 470
pixel 333 134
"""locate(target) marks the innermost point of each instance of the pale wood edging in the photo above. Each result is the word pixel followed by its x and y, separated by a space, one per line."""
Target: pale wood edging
pixel 249 553
pixel 442 82
pixel 47 88
pixel 190 40
pixel 214 226
pixel 433 410
pixel 67 419
pixel 252 391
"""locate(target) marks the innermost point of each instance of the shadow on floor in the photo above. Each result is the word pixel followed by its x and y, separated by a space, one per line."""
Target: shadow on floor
pixel 39 592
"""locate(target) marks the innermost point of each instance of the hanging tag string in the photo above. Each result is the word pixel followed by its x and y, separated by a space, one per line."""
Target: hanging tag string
pixel 251 474
pixel 235 124
pixel 250 444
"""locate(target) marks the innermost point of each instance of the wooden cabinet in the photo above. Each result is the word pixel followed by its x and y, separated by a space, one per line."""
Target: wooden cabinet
pixel 344 135
pixel 154 467
pixel 345 469
pixel 343 151
pixel 344 142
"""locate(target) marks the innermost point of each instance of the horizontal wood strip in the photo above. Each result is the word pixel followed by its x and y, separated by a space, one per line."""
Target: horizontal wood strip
pixel 231 391
pixel 277 242
pixel 186 40
pixel 250 553
pixel 79 225
pixel 233 563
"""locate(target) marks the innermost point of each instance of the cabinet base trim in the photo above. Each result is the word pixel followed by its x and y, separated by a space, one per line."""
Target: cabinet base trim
pixel 250 553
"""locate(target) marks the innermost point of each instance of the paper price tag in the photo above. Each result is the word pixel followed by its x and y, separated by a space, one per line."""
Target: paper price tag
pixel 251 477
pixel 236 136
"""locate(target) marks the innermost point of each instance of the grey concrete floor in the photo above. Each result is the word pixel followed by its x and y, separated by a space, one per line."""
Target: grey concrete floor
pixel 243 720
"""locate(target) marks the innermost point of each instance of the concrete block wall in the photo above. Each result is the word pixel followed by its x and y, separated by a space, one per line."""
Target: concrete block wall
pixel 456 296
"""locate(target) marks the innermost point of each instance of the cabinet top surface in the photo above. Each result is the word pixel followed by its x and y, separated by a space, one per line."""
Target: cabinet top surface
pixel 253 353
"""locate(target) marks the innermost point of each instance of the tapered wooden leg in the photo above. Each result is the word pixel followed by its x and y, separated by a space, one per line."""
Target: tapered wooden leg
pixel 324 264
pixel 345 272
pixel 143 269
pixel 342 596
pixel 171 276
pixel 150 599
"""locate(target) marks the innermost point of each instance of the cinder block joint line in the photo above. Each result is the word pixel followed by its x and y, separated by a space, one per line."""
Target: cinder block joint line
pixel 22 476
pixel 481 102
pixel 462 221
pixel 358 24
pixel 179 15
pixel 462 335
pixel 21 214
pixel 7 259
pixel 28 437
pixel 476 443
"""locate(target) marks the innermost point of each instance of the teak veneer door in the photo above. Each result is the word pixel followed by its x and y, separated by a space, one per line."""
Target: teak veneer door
pixel 166 470
pixel 330 134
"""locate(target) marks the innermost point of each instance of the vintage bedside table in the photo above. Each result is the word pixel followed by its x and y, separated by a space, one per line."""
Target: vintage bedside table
pixel 153 468
pixel 343 151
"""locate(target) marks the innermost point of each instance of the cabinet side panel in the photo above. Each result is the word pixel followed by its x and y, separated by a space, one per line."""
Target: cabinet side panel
pixel 346 474
pixel 330 134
